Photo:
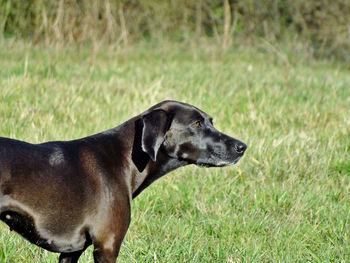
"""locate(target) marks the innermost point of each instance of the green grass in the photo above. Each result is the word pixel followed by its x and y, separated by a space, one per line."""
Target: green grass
pixel 288 200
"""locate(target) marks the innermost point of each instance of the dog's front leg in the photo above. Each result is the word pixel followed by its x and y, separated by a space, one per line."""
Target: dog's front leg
pixel 107 243
pixel 105 252
pixel 105 255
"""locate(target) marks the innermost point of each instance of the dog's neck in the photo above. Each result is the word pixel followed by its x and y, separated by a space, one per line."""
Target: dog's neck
pixel 155 170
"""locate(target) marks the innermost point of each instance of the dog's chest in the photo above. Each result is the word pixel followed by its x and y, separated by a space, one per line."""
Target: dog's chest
pixel 25 225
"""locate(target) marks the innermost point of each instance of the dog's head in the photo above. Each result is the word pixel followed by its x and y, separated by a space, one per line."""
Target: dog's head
pixel 186 133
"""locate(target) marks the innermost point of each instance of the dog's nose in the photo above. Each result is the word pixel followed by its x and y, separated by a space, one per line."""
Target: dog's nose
pixel 240 147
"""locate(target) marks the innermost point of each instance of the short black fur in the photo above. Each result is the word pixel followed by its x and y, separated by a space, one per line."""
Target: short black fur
pixel 138 156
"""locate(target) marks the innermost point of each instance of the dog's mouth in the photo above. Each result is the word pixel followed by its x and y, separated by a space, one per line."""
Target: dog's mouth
pixel 214 160
pixel 207 165
pixel 218 164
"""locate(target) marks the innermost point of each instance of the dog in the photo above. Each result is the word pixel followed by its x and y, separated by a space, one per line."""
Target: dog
pixel 67 195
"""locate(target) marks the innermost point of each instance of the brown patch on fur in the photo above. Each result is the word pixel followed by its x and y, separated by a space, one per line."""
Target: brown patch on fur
pixel 5 177
pixel 88 161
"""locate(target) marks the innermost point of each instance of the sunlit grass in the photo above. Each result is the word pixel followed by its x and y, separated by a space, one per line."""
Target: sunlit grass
pixel 287 201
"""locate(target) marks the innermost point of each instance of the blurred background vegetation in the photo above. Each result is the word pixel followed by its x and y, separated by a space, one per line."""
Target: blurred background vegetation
pixel 322 28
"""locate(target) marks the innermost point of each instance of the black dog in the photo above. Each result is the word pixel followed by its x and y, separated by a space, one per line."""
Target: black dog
pixel 66 195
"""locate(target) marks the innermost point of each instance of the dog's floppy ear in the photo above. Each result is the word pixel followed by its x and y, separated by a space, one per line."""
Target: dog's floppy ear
pixel 150 130
pixel 155 125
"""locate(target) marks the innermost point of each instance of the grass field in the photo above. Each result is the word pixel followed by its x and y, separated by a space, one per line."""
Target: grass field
pixel 288 200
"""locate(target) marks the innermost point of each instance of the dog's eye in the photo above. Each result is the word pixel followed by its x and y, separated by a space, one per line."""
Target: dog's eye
pixel 197 124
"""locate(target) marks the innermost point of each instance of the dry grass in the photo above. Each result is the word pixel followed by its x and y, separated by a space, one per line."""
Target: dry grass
pixel 322 26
